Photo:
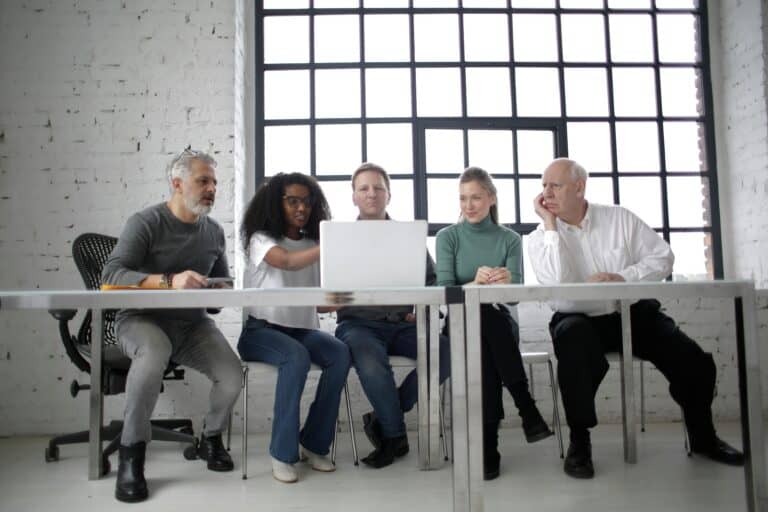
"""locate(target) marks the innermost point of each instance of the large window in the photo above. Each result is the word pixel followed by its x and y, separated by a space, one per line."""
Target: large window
pixel 427 87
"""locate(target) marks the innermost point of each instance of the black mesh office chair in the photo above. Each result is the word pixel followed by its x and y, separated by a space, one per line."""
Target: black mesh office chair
pixel 90 252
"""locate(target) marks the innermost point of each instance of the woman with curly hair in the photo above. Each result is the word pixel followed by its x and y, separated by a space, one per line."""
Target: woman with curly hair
pixel 280 231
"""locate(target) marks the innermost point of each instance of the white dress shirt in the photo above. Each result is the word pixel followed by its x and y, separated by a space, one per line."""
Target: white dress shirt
pixel 610 239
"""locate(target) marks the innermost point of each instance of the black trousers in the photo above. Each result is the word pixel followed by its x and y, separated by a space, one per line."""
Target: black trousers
pixel 502 364
pixel 581 343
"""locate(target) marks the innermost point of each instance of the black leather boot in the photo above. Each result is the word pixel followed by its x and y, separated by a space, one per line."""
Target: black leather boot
pixel 534 426
pixel 385 454
pixel 131 486
pixel 211 449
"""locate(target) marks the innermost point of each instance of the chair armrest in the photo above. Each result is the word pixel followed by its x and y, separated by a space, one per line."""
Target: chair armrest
pixel 64 315
pixel 213 311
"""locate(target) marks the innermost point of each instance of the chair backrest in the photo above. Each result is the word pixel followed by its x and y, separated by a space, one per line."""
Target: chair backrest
pixel 90 252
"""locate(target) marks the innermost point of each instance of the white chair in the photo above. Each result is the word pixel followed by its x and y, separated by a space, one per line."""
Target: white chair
pixel 259 368
pixel 531 358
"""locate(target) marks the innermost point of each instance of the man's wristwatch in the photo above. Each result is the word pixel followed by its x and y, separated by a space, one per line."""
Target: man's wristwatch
pixel 166 281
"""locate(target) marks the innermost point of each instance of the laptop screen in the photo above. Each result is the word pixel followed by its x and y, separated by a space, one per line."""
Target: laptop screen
pixel 372 254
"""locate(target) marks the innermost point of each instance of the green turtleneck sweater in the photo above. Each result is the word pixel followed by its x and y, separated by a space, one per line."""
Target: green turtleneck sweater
pixel 464 247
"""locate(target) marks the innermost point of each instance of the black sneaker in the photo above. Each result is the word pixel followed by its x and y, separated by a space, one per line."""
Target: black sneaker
pixel 578 461
pixel 211 449
pixel 718 450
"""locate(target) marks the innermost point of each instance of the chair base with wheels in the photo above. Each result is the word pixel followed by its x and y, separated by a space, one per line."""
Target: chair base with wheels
pixel 255 367
pixel 531 358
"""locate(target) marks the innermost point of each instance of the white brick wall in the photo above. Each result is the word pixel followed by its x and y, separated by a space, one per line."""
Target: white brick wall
pixel 96 96
pixel 743 136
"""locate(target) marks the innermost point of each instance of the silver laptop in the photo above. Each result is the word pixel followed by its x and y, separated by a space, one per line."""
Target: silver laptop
pixel 372 254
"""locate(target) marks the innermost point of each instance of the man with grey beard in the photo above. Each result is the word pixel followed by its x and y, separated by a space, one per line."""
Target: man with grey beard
pixel 172 245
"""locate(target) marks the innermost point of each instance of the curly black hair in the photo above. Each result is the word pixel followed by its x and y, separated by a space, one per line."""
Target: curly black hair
pixel 265 211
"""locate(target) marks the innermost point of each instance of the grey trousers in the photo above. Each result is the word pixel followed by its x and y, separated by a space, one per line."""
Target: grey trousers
pixel 151 341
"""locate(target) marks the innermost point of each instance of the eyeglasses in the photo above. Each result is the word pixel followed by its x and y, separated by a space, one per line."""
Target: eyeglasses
pixel 295 201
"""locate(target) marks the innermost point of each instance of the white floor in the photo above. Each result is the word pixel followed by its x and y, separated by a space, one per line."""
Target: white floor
pixel 532 479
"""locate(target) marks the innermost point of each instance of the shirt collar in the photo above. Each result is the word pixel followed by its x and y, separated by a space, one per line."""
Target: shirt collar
pixel 586 222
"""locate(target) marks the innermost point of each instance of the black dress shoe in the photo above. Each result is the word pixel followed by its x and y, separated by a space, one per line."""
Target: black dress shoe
pixel 719 451
pixel 578 461
pixel 211 449
pixel 385 454
pixel 534 426
pixel 131 486
pixel 372 429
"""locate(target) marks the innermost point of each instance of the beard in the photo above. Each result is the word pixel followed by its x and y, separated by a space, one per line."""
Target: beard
pixel 194 205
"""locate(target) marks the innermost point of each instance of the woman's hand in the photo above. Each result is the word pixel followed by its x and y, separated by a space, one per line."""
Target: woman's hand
pixel 493 275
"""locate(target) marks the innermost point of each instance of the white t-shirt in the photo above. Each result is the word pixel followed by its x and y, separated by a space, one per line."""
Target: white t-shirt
pixel 260 274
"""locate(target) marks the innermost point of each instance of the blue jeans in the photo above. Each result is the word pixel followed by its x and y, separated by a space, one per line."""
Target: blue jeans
pixel 291 350
pixel 371 342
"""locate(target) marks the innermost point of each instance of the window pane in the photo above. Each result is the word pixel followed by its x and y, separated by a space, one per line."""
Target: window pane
pixel 286 4
pixel 337 93
pixel 286 149
pixel 631 39
pixel 334 4
pixel 385 3
pixel 488 92
pixel 338 148
pixel 634 92
pixel 387 38
pixel 679 92
pixel 505 198
pixel 686 200
pixel 286 39
pixel 529 189
pixel 443 200
pixel 485 3
pixel 445 151
pixel 538 92
pixel 637 147
pixel 600 190
pixel 586 92
pixel 684 147
pixel 337 39
pixel 435 3
pixel 492 150
pixel 339 197
pixel 576 47
pixel 629 4
pixel 535 150
pixel 581 4
pixel 388 92
pixel 286 94
pixel 590 145
pixel 534 37
pixel 438 92
pixel 677 37
pixel 390 145
pixel 401 205
pixel 643 197
pixel 486 37
pixel 691 252
pixel 677 4
pixel 436 37
pixel 533 4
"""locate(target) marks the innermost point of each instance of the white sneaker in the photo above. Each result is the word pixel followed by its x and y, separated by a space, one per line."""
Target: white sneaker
pixel 318 462
pixel 284 472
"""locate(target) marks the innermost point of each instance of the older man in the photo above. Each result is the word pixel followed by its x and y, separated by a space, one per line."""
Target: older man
pixel 172 245
pixel 578 241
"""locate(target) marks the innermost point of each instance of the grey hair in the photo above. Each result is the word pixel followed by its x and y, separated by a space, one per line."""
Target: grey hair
pixel 578 172
pixel 181 165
